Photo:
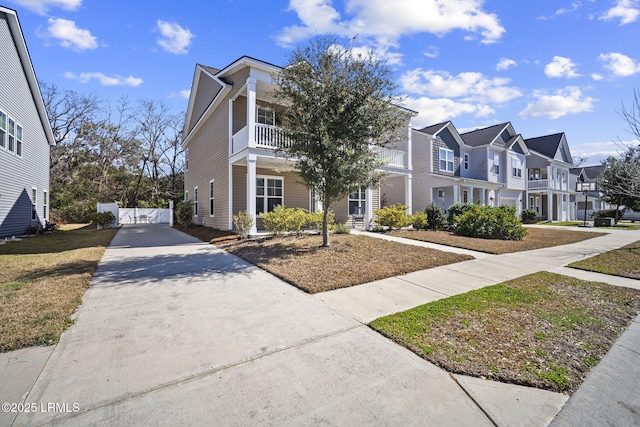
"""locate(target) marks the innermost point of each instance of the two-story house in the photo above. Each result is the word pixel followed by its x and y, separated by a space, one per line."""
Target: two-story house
pixel 548 170
pixel 231 136
pixel 484 166
pixel 25 135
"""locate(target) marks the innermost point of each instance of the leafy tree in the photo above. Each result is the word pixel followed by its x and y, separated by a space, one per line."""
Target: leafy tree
pixel 338 104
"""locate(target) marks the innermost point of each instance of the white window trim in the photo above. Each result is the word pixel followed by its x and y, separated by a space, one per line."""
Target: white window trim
pixel 496 164
pixel 362 201
pixel 186 195
pixel 264 196
pixel 466 161
pixel 34 204
pixel 18 142
pixel 271 111
pixel 3 137
pixel 186 159
pixel 11 135
pixel 195 201
pixel 446 159
pixel 516 168
pixel 441 194
pixel 45 204
pixel 212 198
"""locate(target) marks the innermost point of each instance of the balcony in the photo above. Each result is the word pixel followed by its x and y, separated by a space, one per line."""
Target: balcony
pixel 273 138
pixel 544 184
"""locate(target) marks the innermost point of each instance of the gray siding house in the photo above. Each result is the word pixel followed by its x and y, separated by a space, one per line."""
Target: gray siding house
pixel 25 135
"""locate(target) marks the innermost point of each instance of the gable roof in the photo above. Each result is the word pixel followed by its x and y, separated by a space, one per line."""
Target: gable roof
pixel 590 173
pixel 551 146
pixel 434 130
pixel 483 136
pixel 27 66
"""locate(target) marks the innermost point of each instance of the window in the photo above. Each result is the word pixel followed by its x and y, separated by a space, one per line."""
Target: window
pixel 534 174
pixel 3 130
pixel 496 164
pixel 516 168
pixel 195 201
pixel 12 135
pixel 441 194
pixel 466 162
pixel 357 201
pixel 266 115
pixel 19 140
pixel 269 193
pixel 465 196
pixel 212 198
pixel 45 205
pixel 186 196
pixel 446 160
pixel 186 160
pixel 34 199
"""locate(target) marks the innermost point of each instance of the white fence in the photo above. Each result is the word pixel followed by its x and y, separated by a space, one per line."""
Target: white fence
pixel 145 216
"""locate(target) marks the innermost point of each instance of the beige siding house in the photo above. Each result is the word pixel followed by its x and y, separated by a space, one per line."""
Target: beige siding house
pixel 231 137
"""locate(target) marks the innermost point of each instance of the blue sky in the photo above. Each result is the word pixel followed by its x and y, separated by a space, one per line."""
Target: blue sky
pixel 546 66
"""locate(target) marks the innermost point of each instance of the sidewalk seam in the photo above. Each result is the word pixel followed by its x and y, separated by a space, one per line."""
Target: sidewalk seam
pixel 473 400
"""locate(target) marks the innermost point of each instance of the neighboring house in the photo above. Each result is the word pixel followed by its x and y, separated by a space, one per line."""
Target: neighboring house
pixel 586 202
pixel 548 166
pixel 485 166
pixel 25 135
pixel 231 135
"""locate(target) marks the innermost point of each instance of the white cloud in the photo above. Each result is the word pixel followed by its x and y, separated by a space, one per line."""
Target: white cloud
pixel 105 80
pixel 597 77
pixel 626 10
pixel 468 86
pixel 182 94
pixel 569 100
pixel 437 110
pixel 174 38
pixel 432 52
pixel 505 64
pixel 387 21
pixel 69 35
pixel 598 151
pixel 563 11
pixel 561 67
pixel 620 65
pixel 42 6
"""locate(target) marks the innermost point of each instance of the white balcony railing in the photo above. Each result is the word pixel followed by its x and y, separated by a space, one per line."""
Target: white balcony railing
pixel 539 184
pixel 391 157
pixel 268 136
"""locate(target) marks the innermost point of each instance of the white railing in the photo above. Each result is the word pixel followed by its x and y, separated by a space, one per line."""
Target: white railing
pixel 268 136
pixel 391 157
pixel 539 184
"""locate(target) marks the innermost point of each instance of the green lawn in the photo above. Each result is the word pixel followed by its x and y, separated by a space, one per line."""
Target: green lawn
pixel 542 330
pixel 42 283
pixel 623 262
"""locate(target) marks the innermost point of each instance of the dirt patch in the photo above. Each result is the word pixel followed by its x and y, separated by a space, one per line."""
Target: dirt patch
pixel 208 234
pixel 536 238
pixel 349 261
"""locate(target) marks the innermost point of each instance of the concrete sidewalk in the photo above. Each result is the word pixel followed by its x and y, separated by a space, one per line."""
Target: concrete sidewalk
pixel 174 331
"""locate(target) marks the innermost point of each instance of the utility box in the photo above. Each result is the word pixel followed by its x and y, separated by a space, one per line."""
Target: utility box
pixel 603 222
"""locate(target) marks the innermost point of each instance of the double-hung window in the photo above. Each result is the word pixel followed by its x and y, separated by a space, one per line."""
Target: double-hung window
pixel 34 200
pixel 3 130
pixel 446 160
pixel 18 140
pixel 466 162
pixel 195 201
pixel 266 115
pixel 12 135
pixel 269 194
pixel 516 168
pixel 212 198
pixel 45 205
pixel 357 201
pixel 496 164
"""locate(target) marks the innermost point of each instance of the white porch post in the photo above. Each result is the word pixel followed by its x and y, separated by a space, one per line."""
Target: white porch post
pixel 483 197
pixel 251 111
pixel 456 193
pixel 498 197
pixel 408 194
pixel 251 190
pixel 369 208
pixel 549 206
pixel 471 194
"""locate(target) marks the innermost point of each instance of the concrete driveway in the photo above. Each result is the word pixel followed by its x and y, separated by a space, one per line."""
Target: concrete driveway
pixel 176 332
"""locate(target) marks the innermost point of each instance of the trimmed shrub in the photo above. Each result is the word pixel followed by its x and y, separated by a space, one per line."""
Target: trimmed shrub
pixel 243 223
pixel 529 216
pixel 393 216
pixel 456 210
pixel 184 213
pixel 340 228
pixel 491 223
pixel 419 221
pixel 436 218
pixel 314 220
pixel 282 220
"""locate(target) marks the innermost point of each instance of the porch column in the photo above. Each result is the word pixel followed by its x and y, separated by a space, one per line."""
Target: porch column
pixel 471 194
pixel 408 195
pixel 251 190
pixel 368 217
pixel 251 111
pixel 456 193
pixel 483 197
pixel 549 205
pixel 498 197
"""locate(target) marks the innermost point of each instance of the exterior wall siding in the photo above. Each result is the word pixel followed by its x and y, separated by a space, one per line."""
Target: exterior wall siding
pixel 207 89
pixel 420 184
pixel 239 113
pixel 19 174
pixel 446 140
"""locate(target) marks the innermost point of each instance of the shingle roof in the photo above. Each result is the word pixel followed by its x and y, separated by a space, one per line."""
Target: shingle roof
pixel 546 145
pixel 483 136
pixel 433 129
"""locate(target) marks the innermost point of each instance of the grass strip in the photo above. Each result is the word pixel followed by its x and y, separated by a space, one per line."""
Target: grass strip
pixel 624 262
